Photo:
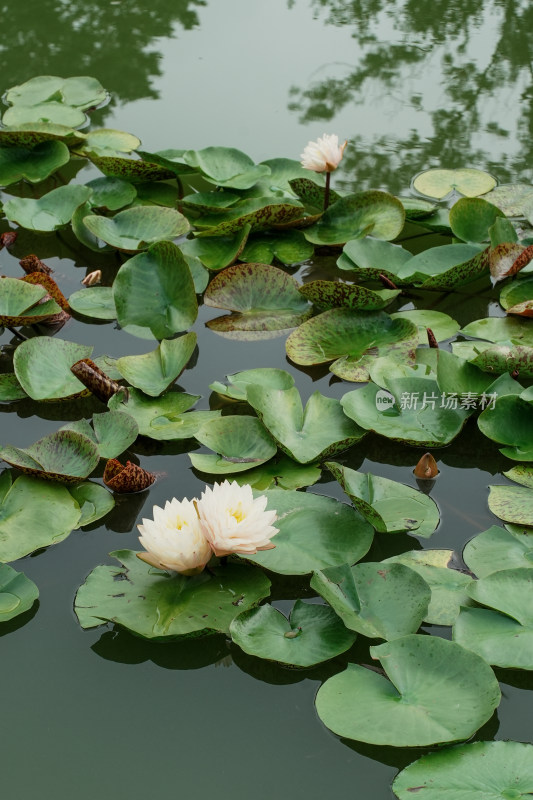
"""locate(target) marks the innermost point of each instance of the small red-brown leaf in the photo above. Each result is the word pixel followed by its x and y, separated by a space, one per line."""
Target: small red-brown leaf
pixel 432 341
pixel 33 264
pixel 129 478
pixel 524 309
pixel 7 239
pixel 88 373
pixel 48 283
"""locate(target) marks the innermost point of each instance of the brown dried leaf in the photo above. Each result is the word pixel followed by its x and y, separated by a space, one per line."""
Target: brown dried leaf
pixel 7 239
pixel 33 264
pixel 95 379
pixel 508 258
pixel 129 478
pixel 48 283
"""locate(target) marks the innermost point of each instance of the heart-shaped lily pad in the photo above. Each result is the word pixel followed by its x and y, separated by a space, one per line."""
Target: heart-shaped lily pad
pixel 136 228
pixel 32 163
pixel 154 372
pixel 42 366
pixel 352 341
pixel 111 193
pixel 269 377
pixel 477 771
pixel 439 183
pixel 219 251
pixel 155 290
pixel 20 303
pixel 289 247
pixel 66 456
pixel 442 325
pixel 388 505
pixel 381 601
pixel 499 549
pixel 311 434
pixel 163 418
pixel 280 472
pixel 80 91
pixel 17 593
pixel 314 532
pixel 48 213
pixel 94 502
pixel 472 217
pixel 95 301
pixel 51 112
pixel 243 442
pixel 450 688
pixel 159 605
pixel 368 258
pixel 226 166
pixel 312 634
pixel 504 636
pixel 113 432
pixel 377 213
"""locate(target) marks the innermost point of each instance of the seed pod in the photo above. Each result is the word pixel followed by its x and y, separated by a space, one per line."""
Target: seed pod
pixel 129 478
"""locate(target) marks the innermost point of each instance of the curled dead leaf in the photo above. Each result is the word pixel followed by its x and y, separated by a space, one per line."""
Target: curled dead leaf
pixel 32 263
pixel 48 283
pixel 128 478
pixel 95 379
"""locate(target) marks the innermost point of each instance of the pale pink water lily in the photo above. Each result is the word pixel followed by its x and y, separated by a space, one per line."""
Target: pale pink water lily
pixel 233 521
pixel 324 155
pixel 174 538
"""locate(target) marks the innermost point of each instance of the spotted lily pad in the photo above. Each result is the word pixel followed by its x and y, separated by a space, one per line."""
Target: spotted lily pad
pixel 499 549
pixel 163 418
pixel 439 183
pixel 512 504
pixel 387 505
pixel 367 213
pixel 380 601
pixel 446 267
pixel 226 166
pixel 160 605
pixel 311 434
pixel 130 169
pixel 48 213
pixel 258 213
pixel 312 634
pixel 17 593
pixel 156 371
pixel 136 228
pixel 365 705
pixel 332 294
pixel 42 366
pixel 352 341
pixel 32 163
pixel 314 532
pixel 65 456
pixel 514 199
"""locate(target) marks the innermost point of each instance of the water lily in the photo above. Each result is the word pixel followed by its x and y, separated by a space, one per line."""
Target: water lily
pixel 174 538
pixel 92 278
pixel 233 521
pixel 324 155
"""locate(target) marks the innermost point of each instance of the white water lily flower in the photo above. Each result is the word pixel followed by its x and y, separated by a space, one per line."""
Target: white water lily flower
pixel 174 538
pixel 233 522
pixel 324 155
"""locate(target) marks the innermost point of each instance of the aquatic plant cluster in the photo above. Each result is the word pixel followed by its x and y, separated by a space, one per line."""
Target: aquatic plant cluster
pixel 185 224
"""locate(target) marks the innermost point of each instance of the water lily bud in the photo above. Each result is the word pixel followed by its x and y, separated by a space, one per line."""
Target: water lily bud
pixel 92 278
pixel 174 538
pixel 324 155
pixel 426 469
pixel 233 521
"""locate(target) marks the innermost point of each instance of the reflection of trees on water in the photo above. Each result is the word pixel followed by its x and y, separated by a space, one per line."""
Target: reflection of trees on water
pixel 427 33
pixel 109 39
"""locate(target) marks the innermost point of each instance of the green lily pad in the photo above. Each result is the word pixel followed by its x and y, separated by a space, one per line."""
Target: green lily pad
pixel 157 193
pixel 369 258
pixel 499 549
pixel 446 267
pixel 439 183
pixel 514 199
pixel 94 502
pixel 226 166
pixel 136 228
pixel 510 423
pixel 113 432
pixel 219 251
pixel 163 418
pixel 332 294
pixel 17 593
pixel 512 504
pixel 269 377
pixel 502 231
pixel 264 298
pixel 210 202
pixel 65 456
pixel 155 372
pixel 412 410
pixel 79 91
pixel 10 388
pixel 155 290
pixel 477 771
pixel 500 329
pixel 243 442
pixel 32 163
pixel 377 213
pixel 20 303
pixel 377 600
pixel 472 217
pixel 289 247
pixel 352 341
pixel 516 293
pixel 131 169
pixel 104 140
pixel 111 193
pixel 442 325
pixel 34 514
pixel 522 474
pixel 259 213
pixel 312 634
pixel 450 688
pixel 448 586
pixel 48 213
pixel 314 532
pixel 311 434
pixel 171 160
pixel 30 134
pixel 416 209
pixel 388 505
pixel 51 112
pixel 42 366
pixel 95 301
pixel 158 605
pixel 504 636
pixel 280 472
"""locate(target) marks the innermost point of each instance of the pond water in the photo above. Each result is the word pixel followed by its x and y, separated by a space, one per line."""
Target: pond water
pixel 411 85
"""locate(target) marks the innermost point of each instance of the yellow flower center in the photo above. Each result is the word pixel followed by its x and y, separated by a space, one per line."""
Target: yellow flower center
pixel 180 523
pixel 238 513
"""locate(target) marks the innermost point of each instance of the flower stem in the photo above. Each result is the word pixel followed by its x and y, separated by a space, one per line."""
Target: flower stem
pixel 326 193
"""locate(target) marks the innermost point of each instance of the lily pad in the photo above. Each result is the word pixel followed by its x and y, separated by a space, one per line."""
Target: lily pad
pixel 52 113
pixel 171 160
pixel 48 213
pixel 269 377
pixel 314 532
pixel 94 502
pixel 80 91
pixel 290 248
pixel 113 432
pixel 311 193
pixel 477 771
pixel 500 329
pixel 155 372
pixel 514 199
pixel 332 294
pixel 95 301
pixel 111 193
pixel 369 258
pixel 499 549
pixel 259 213
pixel 159 605
pixel 32 163
pixel 517 293
pixel 352 341
pixel 380 601
pixel 20 303
pixel 503 636
pixel 65 456
pixel 217 252
pixel 155 290
pixel 442 325
pixel 34 514
pixel 312 634
pixel 243 442
pixel 439 183
pixel 42 366
pixel 163 418
pixel 512 504
pixel 131 169
pixel 30 134
pixel 446 267
pixel 17 593
pixel 377 213
pixel 472 217
pixel 280 472
pixel 136 228
pixel 10 388
pixel 388 505
pixel 311 434
pixel 510 422
pixel 104 140
pixel 450 688
pixel 226 166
